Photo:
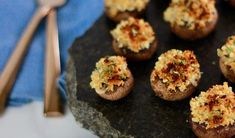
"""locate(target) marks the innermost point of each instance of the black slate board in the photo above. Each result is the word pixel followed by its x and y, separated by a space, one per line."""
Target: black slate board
pixel 141 114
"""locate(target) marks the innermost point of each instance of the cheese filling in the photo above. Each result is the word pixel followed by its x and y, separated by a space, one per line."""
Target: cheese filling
pixel 215 107
pixel 110 72
pixel 133 34
pixel 192 14
pixel 177 69
pixel 116 6
pixel 227 53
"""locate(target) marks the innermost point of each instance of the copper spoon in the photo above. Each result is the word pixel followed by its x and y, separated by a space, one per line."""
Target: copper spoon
pixel 8 75
pixel 52 100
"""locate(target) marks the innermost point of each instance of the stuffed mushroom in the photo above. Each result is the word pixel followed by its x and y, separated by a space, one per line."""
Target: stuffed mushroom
pixel 112 80
pixel 191 19
pixel 118 10
pixel 176 75
pixel 134 39
pixel 213 113
pixel 227 59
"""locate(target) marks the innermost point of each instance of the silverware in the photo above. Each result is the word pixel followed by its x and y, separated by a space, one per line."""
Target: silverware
pixel 8 76
pixel 52 99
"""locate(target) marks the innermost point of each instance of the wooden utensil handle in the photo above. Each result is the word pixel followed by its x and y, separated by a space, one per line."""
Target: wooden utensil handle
pixel 52 98
pixel 11 69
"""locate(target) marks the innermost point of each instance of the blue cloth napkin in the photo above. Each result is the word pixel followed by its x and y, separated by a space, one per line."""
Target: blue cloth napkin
pixel 73 20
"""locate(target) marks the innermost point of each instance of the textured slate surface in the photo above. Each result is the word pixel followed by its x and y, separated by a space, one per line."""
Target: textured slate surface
pixel 141 114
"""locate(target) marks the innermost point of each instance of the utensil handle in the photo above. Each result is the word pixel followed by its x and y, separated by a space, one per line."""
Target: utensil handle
pixel 8 76
pixel 52 98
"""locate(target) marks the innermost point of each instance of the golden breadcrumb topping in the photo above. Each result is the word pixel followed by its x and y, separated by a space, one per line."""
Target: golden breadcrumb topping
pixel 227 52
pixel 110 72
pixel 177 69
pixel 116 6
pixel 193 14
pixel 133 34
pixel 215 107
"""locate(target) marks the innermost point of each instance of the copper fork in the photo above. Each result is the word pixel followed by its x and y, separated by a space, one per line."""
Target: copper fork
pixel 52 99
